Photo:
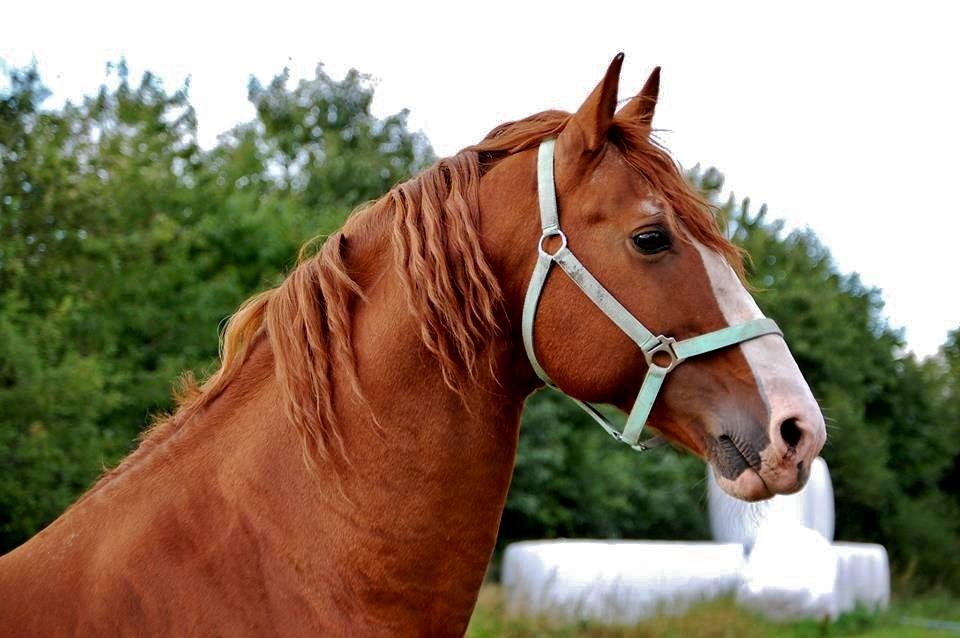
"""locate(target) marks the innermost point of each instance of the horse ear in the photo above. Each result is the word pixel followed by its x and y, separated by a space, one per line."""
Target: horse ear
pixel 642 105
pixel 593 118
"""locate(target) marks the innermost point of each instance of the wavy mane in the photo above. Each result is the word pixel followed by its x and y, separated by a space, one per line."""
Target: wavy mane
pixel 432 221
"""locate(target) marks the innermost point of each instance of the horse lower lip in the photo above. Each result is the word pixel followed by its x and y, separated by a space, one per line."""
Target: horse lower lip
pixel 765 486
pixel 750 486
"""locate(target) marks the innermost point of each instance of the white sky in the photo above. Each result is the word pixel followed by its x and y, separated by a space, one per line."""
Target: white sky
pixel 841 116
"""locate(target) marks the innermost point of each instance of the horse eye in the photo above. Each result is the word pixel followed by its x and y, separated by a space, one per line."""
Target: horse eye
pixel 651 241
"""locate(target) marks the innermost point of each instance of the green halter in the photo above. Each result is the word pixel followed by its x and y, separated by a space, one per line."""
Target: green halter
pixel 651 345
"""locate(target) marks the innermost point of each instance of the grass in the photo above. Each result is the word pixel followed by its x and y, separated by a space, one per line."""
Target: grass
pixel 723 619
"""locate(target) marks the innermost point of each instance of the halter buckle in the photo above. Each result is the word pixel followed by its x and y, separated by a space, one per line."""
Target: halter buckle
pixel 663 345
pixel 547 234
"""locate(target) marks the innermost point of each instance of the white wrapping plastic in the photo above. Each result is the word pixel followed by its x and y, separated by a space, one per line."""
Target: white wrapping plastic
pixel 863 576
pixel 734 521
pixel 791 573
pixel 615 582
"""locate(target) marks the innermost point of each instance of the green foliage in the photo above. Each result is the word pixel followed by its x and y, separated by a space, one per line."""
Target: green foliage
pixel 123 244
pixel 50 443
pixel 571 480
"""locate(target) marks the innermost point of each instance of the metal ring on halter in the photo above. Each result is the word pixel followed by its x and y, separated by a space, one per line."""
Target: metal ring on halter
pixel 547 234
pixel 663 345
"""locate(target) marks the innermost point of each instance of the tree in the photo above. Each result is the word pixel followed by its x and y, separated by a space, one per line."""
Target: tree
pixel 572 480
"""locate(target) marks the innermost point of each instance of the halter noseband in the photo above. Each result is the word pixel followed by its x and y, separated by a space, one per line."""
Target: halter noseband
pixel 649 344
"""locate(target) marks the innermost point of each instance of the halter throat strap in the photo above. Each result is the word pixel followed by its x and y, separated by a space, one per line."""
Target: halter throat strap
pixel 662 354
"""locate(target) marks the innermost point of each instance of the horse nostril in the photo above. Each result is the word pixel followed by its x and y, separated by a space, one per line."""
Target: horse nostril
pixel 791 432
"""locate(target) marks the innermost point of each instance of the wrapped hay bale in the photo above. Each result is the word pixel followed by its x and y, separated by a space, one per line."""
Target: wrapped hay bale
pixel 791 574
pixel 617 582
pixel 863 576
pixel 794 573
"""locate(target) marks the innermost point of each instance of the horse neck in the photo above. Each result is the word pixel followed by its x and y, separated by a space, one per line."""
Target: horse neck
pixel 408 518
pixel 417 506
pixel 398 532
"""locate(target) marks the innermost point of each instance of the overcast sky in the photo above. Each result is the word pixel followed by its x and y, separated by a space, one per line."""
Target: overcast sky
pixel 841 116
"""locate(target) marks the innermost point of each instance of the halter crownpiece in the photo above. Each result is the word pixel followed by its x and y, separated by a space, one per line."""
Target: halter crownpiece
pixel 652 346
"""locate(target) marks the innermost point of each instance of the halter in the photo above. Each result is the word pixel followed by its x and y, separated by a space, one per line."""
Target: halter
pixel 652 346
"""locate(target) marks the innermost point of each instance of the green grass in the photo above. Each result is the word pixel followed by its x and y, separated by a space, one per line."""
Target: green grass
pixel 723 619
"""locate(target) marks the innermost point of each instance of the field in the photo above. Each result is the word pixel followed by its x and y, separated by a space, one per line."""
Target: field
pixel 913 618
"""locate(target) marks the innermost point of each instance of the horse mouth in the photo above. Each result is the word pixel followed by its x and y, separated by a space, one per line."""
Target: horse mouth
pixel 748 486
pixel 733 457
pixel 736 466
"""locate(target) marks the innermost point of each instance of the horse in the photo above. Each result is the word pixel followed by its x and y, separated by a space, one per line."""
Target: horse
pixel 345 469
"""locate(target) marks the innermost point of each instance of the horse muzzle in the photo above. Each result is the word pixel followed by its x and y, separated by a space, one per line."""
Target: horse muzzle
pixel 781 466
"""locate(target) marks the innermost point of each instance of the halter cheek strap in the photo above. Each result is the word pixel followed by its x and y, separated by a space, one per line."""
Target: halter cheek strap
pixel 653 346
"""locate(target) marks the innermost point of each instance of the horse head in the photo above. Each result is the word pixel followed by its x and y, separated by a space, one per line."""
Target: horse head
pixel 643 257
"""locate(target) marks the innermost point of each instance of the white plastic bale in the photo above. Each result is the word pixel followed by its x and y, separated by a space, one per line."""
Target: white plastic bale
pixel 617 582
pixel 863 576
pixel 791 574
pixel 735 521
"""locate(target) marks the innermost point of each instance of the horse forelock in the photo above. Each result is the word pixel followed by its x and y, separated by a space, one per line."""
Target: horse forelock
pixel 433 225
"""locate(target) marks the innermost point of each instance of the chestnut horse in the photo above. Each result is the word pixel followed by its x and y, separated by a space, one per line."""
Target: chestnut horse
pixel 344 472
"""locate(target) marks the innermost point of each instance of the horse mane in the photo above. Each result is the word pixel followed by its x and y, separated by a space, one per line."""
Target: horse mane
pixel 433 225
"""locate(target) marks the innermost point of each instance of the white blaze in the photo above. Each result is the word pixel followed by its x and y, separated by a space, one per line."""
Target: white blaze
pixel 781 383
